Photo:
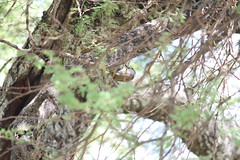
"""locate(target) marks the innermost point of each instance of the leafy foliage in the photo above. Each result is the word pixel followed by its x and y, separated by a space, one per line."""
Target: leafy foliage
pixel 182 77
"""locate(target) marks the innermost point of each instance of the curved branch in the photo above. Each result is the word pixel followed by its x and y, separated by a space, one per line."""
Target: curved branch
pixel 204 138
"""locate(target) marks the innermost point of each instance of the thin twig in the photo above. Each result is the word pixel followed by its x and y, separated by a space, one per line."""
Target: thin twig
pixel 28 25
pixel 4 65
pixel 13 45
pixel 10 9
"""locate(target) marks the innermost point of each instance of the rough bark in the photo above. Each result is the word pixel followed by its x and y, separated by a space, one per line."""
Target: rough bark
pixel 204 138
pixel 37 100
pixel 23 81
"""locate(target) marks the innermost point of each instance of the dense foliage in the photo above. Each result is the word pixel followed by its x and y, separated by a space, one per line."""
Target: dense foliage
pixel 68 91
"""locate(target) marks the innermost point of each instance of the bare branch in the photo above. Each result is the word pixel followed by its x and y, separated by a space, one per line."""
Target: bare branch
pixel 14 46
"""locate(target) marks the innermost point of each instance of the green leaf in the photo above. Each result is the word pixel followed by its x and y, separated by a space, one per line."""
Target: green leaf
pixel 67 117
pixel 237 9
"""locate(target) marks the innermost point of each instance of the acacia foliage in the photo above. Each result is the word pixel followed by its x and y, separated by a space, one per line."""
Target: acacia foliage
pixel 59 97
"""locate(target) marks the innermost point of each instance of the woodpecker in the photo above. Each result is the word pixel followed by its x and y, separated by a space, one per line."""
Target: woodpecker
pixel 124 74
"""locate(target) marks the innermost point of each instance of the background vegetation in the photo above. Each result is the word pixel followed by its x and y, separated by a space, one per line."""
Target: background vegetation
pixel 60 99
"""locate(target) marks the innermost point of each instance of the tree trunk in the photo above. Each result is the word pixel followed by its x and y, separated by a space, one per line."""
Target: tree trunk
pixel 28 97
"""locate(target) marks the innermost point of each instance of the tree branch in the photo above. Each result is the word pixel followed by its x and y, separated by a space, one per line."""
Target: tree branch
pixel 157 105
pixel 13 46
pixel 204 138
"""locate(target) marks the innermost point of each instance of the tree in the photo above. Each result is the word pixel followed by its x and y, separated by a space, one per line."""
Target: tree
pixel 63 86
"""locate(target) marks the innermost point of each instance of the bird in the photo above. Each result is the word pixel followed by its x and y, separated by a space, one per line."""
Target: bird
pixel 124 74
